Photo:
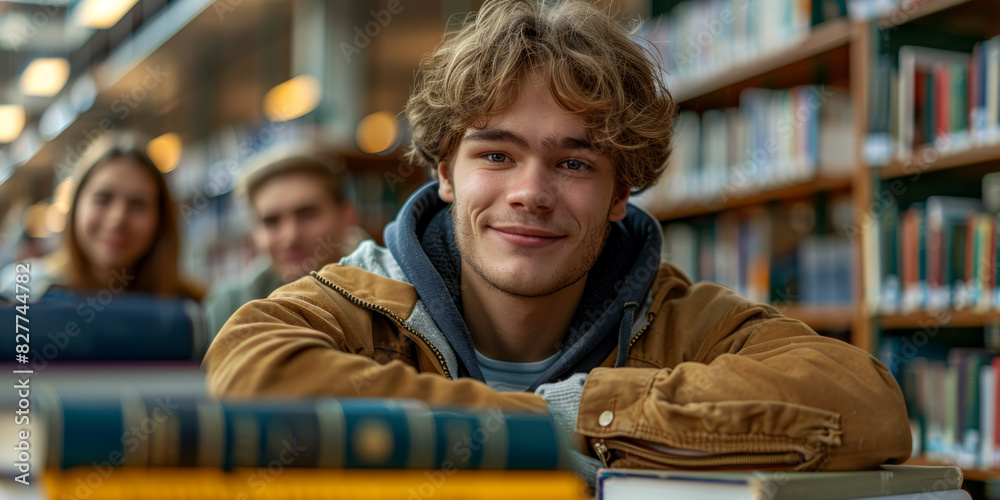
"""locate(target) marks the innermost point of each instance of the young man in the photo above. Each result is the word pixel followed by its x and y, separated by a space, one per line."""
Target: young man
pixel 303 222
pixel 523 280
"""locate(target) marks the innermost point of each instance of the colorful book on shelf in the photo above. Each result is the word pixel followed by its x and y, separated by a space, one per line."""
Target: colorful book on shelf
pixel 984 72
pixel 968 431
pixel 636 484
pixel 108 326
pixel 913 257
pixel 946 217
pixel 987 425
pixel 277 482
pixel 953 404
pixel 929 88
pixel 889 288
pixel 169 431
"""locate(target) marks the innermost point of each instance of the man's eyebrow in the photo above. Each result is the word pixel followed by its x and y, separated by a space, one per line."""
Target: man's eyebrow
pixel 497 135
pixel 549 144
pixel 297 209
pixel 552 143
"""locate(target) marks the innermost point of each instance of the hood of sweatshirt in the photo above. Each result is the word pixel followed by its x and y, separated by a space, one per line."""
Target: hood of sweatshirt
pixel 422 242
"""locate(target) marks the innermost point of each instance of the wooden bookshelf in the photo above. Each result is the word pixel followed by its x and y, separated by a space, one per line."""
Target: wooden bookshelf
pixel 823 38
pixel 830 318
pixel 923 8
pixel 918 163
pixel 959 319
pixel 790 191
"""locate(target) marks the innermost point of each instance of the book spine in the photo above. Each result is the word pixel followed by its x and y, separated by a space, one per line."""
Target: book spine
pixel 112 327
pixel 332 433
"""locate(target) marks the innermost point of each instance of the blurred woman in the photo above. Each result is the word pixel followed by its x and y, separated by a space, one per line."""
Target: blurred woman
pixel 121 231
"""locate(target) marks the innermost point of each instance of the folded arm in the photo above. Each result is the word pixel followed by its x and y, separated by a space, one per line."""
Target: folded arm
pixel 758 389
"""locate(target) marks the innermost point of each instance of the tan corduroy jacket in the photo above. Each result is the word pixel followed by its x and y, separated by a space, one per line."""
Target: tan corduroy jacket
pixel 706 371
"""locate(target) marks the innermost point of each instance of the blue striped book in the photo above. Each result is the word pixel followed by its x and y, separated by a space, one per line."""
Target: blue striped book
pixel 170 431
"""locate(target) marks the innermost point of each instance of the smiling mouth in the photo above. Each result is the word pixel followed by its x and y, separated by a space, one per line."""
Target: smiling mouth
pixel 527 237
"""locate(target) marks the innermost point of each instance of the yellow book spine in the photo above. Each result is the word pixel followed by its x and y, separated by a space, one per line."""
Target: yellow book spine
pixel 135 483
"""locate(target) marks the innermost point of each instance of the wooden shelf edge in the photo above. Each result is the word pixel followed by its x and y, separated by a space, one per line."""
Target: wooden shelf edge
pixel 789 191
pixel 919 164
pixel 833 317
pixel 925 319
pixel 968 474
pixel 923 8
pixel 825 37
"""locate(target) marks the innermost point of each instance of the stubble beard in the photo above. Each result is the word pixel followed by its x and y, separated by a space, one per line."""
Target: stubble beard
pixel 521 286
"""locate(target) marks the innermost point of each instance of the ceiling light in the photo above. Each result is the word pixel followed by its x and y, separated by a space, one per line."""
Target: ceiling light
pixel 292 99
pixel 377 132
pixel 165 151
pixel 11 122
pixel 101 14
pixel 44 77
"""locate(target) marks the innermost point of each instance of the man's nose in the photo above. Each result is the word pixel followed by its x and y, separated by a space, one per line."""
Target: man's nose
pixel 532 187
pixel 288 234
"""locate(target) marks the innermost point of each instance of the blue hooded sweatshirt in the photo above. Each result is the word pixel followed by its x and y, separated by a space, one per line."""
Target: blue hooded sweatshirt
pixel 422 241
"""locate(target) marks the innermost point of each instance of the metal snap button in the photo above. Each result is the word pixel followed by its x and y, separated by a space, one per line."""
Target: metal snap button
pixel 606 418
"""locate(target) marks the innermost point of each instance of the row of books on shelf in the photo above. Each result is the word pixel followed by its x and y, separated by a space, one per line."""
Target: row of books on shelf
pixel 947 99
pixel 939 254
pixel 765 255
pixel 931 88
pixel 774 138
pixel 951 397
pixel 704 38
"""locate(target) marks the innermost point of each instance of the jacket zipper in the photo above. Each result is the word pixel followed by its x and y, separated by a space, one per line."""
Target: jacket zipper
pixel 603 449
pixel 649 320
pixel 381 310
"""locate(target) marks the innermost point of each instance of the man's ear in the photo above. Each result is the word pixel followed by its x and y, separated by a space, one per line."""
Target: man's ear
pixel 445 190
pixel 617 211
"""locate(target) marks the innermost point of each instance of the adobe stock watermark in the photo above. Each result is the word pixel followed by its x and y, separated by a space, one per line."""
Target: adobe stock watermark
pixel 756 159
pixel 900 15
pixel 220 179
pixel 329 250
pixel 264 476
pixel 885 197
pixel 404 171
pixel 363 37
pixel 122 106
pixel 87 310
pixel 223 7
pixel 709 31
pixel 16 38
pixel 459 455
pixel 131 439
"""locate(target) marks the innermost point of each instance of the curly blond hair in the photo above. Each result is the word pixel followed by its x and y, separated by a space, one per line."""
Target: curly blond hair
pixel 594 68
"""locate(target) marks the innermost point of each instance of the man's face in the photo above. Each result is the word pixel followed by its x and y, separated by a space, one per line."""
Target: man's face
pixel 299 224
pixel 532 199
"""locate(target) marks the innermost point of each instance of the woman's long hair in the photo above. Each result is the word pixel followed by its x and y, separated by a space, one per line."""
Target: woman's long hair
pixel 157 270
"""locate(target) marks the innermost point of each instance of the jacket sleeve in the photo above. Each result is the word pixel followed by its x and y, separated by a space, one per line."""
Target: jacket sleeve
pixel 290 345
pixel 752 387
